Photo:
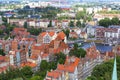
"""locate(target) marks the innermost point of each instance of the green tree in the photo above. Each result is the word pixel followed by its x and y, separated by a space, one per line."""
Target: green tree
pixel 80 15
pixel 63 17
pixel 60 58
pixel 1 32
pixel 91 78
pixel 52 65
pixel 78 23
pixel 115 21
pixel 50 24
pixel 104 70
pixel 34 31
pixel 2 52
pixel 78 52
pixel 105 22
pixel 25 25
pixel 36 78
pixel 89 18
pixel 66 32
pixel 4 19
pixel 75 46
pixel 18 79
pixel 71 23
pixel 44 65
pixel 27 71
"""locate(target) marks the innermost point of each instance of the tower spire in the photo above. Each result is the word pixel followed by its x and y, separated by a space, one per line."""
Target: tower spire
pixel 114 74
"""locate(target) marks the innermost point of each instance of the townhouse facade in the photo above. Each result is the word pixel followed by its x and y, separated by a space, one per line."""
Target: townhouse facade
pixel 69 70
pixel 4 63
pixel 93 57
pixel 1 20
pixel 47 37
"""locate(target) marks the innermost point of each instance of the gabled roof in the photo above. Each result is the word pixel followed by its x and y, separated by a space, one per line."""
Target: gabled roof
pixel 50 33
pixel 70 64
pixel 54 74
pixel 18 29
pixel 44 55
pixel 34 56
pixel 32 65
pixel 37 47
pixel 61 35
pixel 66 68
pixel 3 59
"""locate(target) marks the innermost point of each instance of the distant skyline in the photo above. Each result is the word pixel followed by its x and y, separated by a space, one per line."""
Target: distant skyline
pixel 68 0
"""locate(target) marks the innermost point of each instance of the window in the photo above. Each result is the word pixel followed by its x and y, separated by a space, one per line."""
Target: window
pixel 0 46
pixel 47 39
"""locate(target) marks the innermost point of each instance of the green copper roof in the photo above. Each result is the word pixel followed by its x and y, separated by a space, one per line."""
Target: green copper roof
pixel 114 75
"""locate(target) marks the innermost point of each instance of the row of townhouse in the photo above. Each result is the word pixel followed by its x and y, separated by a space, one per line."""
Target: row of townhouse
pixel 79 68
pixel 40 23
pixel 4 62
pixel 20 32
pixel 98 17
pixel 68 71
pixel 5 45
pixel 44 23
pixel 27 52
pixel 101 32
pixel 74 68
pixel 17 50
pixel 47 37
pixel 48 44
pixel 92 58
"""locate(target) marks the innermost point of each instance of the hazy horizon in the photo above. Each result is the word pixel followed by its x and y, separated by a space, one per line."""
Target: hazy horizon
pixel 67 0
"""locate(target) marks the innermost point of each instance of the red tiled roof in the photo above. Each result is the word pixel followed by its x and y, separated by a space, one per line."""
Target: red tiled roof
pixel 50 33
pixel 58 50
pixel 69 66
pixel 35 47
pixel 32 65
pixel 61 35
pixel 18 29
pixel 28 39
pixel 54 74
pixel 3 59
pixel 34 56
pixel 43 34
pixel 44 55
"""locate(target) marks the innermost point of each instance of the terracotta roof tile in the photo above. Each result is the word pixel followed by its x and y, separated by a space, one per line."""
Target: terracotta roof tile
pixel 54 74
pixel 44 55
pixel 43 34
pixel 34 56
pixel 32 65
pixel 3 59
pixel 61 35
pixel 50 33
pixel 69 66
